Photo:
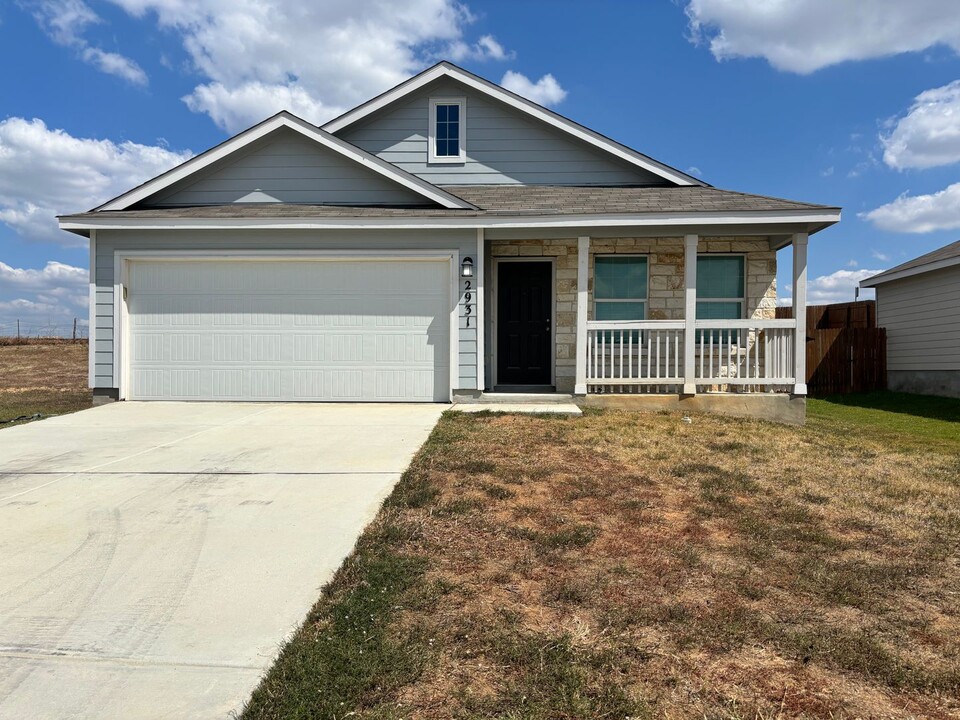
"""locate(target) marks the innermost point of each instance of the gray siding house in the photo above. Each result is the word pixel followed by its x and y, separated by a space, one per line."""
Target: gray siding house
pixel 446 240
pixel 918 303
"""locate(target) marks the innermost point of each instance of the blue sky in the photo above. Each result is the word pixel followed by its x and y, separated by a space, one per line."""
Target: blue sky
pixel 98 95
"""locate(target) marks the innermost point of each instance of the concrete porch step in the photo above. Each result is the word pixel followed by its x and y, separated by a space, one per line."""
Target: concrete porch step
pixel 495 398
pixel 529 408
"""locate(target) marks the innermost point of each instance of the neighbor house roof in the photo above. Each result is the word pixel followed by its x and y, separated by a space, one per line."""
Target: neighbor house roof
pixel 938 259
pixel 284 119
pixel 500 204
pixel 529 108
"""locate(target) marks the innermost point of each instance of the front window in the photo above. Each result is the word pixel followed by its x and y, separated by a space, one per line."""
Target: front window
pixel 720 289
pixel 447 123
pixel 620 289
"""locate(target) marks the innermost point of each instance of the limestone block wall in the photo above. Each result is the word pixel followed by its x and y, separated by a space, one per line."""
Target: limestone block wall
pixel 665 291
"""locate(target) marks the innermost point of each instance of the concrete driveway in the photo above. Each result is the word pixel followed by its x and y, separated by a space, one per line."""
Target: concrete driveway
pixel 153 556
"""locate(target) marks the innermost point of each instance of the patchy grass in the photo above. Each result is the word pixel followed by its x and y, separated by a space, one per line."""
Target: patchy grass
pixel 47 377
pixel 629 565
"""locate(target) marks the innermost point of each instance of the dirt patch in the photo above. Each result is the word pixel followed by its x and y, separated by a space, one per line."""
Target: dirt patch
pixel 49 378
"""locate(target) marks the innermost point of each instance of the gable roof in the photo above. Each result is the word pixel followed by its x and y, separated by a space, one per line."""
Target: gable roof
pixel 585 134
pixel 938 259
pixel 284 119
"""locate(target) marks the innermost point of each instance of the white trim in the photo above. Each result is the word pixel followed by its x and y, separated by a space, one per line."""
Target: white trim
pixel 117 222
pixel 800 241
pixel 690 247
pixel 889 276
pixel 432 157
pixel 481 312
pixel 285 120
pixel 122 259
pixel 553 310
pixel 490 89
pixel 92 315
pixel 583 303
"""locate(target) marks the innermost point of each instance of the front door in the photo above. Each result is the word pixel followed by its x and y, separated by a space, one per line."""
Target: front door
pixel 524 310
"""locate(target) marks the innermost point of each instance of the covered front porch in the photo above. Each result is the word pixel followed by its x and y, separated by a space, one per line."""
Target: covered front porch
pixel 670 342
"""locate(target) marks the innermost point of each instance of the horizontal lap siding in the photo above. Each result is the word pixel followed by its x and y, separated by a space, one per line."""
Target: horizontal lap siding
pixel 288 168
pixel 503 146
pixel 922 318
pixel 108 242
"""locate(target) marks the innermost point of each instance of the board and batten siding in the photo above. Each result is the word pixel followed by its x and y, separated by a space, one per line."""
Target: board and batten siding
pixel 503 146
pixel 111 241
pixel 287 167
pixel 922 317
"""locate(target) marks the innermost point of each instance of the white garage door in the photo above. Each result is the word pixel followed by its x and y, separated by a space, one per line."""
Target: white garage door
pixel 294 330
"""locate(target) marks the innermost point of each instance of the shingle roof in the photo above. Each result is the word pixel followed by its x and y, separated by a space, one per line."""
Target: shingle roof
pixel 947 252
pixel 534 200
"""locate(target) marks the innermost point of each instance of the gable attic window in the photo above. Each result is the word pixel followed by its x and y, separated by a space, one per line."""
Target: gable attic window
pixel 447 140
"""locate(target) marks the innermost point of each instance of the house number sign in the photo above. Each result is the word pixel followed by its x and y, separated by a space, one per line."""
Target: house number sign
pixel 467 297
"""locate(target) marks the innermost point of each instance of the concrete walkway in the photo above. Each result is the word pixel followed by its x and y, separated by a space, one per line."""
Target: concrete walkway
pixel 153 556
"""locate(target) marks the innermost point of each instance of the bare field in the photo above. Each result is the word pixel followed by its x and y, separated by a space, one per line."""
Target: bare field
pixel 42 376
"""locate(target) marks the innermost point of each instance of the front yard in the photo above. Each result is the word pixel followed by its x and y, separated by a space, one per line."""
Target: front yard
pixel 46 376
pixel 628 565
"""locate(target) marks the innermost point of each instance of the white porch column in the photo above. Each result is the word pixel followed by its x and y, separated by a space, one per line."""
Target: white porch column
pixel 800 312
pixel 690 313
pixel 481 314
pixel 583 294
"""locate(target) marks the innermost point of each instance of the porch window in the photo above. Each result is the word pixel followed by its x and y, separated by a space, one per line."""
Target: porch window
pixel 620 287
pixel 447 122
pixel 720 288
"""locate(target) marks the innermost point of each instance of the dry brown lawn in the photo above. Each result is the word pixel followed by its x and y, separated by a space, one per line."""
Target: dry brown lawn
pixel 627 565
pixel 47 377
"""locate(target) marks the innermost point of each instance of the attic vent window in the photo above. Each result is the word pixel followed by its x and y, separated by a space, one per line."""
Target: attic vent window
pixel 447 130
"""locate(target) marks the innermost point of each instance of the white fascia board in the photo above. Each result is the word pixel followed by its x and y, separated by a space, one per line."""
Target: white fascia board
pixel 284 119
pixel 539 112
pixel 888 276
pixel 820 218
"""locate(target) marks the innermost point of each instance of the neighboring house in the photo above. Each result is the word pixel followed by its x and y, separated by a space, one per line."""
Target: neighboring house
pixel 918 303
pixel 446 238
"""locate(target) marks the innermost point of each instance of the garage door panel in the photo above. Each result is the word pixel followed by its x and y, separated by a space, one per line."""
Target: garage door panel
pixel 311 330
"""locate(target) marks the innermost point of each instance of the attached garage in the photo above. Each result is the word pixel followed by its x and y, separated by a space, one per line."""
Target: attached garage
pixel 287 329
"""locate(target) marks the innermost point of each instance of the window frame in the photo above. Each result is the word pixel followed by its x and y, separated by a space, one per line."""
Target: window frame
pixel 433 158
pixel 646 297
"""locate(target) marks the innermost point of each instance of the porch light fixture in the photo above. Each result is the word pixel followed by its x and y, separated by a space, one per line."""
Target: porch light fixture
pixel 466 267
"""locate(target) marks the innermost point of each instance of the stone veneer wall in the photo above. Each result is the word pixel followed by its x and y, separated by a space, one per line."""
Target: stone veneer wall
pixel 665 291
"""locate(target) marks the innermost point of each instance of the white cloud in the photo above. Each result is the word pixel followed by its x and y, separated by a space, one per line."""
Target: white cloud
pixel 836 287
pixel 882 257
pixel 486 48
pixel 545 91
pixel 320 57
pixel 929 134
pixel 803 36
pixel 65 21
pixel 46 172
pixel 919 213
pixel 45 301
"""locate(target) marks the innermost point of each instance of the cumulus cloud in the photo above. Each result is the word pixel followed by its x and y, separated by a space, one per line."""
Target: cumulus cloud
pixel 44 300
pixel 486 48
pixel 65 21
pixel 45 172
pixel 919 213
pixel 929 134
pixel 545 91
pixel 315 58
pixel 836 287
pixel 803 36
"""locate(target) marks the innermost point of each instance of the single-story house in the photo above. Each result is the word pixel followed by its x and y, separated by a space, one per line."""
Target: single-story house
pixel 446 239
pixel 918 303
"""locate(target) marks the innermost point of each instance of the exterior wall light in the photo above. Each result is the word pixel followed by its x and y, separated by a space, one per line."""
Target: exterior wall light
pixel 466 267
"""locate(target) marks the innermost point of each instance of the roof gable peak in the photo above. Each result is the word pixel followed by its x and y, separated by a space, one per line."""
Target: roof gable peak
pixel 273 124
pixel 447 69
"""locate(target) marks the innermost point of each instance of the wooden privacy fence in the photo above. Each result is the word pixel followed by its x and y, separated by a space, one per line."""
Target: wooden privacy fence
pixel 845 360
pixel 846 351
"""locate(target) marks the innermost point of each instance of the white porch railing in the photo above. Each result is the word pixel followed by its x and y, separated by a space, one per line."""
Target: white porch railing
pixel 648 356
